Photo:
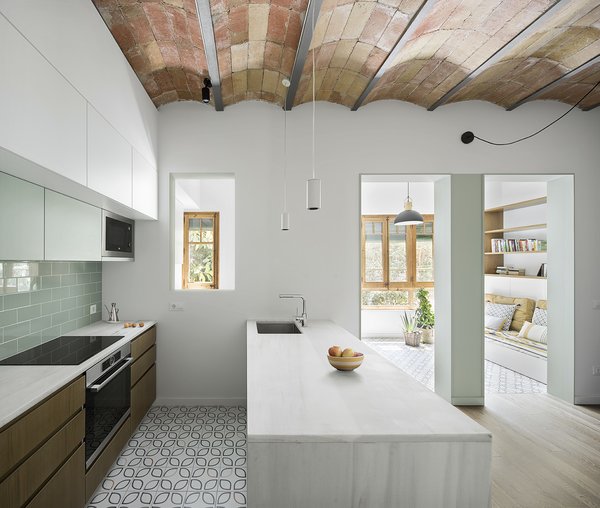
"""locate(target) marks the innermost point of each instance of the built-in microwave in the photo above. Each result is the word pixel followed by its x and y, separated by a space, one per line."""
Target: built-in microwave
pixel 117 237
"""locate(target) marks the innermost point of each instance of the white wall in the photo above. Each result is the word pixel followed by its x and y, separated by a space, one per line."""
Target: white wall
pixel 201 351
pixel 207 195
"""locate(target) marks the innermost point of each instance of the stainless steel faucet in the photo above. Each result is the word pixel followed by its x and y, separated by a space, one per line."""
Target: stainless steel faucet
pixel 301 319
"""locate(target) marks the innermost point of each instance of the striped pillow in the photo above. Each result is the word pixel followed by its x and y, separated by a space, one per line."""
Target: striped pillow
pixel 534 332
pixel 500 310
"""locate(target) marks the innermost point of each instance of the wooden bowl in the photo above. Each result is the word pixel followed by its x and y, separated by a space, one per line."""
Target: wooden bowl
pixel 346 362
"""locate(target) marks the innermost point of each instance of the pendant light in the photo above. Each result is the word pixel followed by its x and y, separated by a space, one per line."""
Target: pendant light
pixel 313 185
pixel 285 216
pixel 409 216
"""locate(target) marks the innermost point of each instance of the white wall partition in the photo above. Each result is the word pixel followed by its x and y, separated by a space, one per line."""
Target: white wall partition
pixel 561 292
pixel 202 349
pixel 459 289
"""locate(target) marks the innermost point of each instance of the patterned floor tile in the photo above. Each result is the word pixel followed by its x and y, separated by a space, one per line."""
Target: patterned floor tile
pixel 180 457
pixel 419 363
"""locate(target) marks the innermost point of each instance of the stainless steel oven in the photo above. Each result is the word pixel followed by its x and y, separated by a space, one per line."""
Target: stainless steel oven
pixel 117 237
pixel 107 400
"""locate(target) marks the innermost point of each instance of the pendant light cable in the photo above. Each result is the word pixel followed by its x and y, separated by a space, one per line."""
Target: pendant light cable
pixel 314 172
pixel 468 136
pixel 284 160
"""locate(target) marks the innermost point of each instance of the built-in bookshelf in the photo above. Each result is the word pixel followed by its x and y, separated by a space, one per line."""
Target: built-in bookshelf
pixel 493 221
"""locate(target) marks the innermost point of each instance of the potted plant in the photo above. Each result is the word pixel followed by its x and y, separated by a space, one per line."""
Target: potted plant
pixel 425 317
pixel 411 330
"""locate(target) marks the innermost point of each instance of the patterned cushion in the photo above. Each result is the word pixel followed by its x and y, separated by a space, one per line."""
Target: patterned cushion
pixel 501 311
pixel 523 312
pixel 534 332
pixel 540 317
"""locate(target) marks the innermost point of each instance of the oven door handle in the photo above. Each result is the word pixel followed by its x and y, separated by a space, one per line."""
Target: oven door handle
pixel 97 388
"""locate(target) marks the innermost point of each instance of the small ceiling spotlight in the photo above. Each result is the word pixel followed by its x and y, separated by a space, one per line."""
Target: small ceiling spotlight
pixel 286 82
pixel 467 137
pixel 206 91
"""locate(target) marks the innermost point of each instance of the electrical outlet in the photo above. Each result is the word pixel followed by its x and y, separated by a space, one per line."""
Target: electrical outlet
pixel 176 306
pixel 93 309
pixel 595 304
pixel 596 370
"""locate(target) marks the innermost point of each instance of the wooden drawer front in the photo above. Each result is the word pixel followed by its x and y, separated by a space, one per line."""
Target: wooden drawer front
pixel 142 364
pixel 102 464
pixel 19 486
pixel 23 436
pixel 142 343
pixel 66 489
pixel 143 394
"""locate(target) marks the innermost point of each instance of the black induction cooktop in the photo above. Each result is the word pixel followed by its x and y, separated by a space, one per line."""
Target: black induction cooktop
pixel 66 350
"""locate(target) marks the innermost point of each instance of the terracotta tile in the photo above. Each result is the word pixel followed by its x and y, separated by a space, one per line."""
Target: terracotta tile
pixel 238 24
pixel 360 15
pixel 258 19
pixel 393 31
pixel 374 62
pixel 159 21
pixel 342 53
pixel 282 3
pixel 278 18
pixel 294 29
pixel 155 58
pixel 256 54
pixel 380 18
pixel 338 20
pixel 270 81
pixel 239 57
pixel 359 56
pixel 321 24
pixel 330 79
pixel 170 54
pixel 240 83
pixel 255 79
pixel 323 57
pixel 273 53
pixel 287 62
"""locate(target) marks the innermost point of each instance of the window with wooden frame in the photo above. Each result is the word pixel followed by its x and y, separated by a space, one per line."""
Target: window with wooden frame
pixel 395 262
pixel 200 250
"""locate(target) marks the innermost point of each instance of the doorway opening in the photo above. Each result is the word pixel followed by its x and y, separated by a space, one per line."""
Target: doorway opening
pixel 397 273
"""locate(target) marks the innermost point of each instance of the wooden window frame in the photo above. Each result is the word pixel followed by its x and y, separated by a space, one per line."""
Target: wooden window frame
pixel 186 250
pixel 411 284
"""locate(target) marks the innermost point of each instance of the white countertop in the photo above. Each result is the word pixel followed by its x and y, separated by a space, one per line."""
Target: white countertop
pixel 294 395
pixel 23 386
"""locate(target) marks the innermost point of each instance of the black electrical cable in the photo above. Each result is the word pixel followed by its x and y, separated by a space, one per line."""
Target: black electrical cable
pixel 468 136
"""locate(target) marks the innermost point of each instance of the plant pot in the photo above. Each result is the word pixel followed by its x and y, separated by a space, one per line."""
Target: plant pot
pixel 427 335
pixel 412 339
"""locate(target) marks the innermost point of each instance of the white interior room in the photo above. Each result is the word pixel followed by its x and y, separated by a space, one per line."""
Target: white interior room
pixel 187 314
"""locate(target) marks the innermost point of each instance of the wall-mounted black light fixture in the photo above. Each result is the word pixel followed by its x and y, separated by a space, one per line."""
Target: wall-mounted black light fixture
pixel 468 136
pixel 206 91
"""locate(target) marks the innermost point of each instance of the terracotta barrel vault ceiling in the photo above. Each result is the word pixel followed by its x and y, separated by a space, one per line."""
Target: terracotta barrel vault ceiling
pixel 427 52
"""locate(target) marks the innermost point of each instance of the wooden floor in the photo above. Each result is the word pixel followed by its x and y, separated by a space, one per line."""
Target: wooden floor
pixel 546 453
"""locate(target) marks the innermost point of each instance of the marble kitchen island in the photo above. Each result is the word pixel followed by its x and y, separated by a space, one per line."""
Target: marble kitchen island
pixel 372 438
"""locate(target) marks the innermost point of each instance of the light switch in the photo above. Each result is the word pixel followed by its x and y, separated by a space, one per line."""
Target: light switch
pixel 93 309
pixel 176 306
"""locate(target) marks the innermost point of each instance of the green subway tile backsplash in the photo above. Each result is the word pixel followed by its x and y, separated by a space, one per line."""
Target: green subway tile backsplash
pixel 40 301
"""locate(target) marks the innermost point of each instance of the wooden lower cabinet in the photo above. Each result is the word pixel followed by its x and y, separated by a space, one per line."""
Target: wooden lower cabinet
pixel 143 394
pixel 18 487
pixel 66 489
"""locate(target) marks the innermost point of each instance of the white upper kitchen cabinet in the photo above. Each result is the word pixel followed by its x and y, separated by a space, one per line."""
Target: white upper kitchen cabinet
pixel 109 160
pixel 44 117
pixel 73 229
pixel 21 219
pixel 145 186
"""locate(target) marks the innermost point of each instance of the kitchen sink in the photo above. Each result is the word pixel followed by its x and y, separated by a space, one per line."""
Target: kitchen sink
pixel 278 328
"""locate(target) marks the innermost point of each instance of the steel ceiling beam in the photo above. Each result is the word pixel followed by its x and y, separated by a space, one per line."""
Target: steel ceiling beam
pixel 302 51
pixel 502 52
pixel 555 83
pixel 210 50
pixel 415 21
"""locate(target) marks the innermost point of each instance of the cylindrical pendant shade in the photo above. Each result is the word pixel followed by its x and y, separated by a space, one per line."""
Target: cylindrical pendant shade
pixel 408 218
pixel 285 221
pixel 313 194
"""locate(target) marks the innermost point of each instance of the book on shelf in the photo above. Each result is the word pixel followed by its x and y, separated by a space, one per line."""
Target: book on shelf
pixel 503 245
pixel 510 270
